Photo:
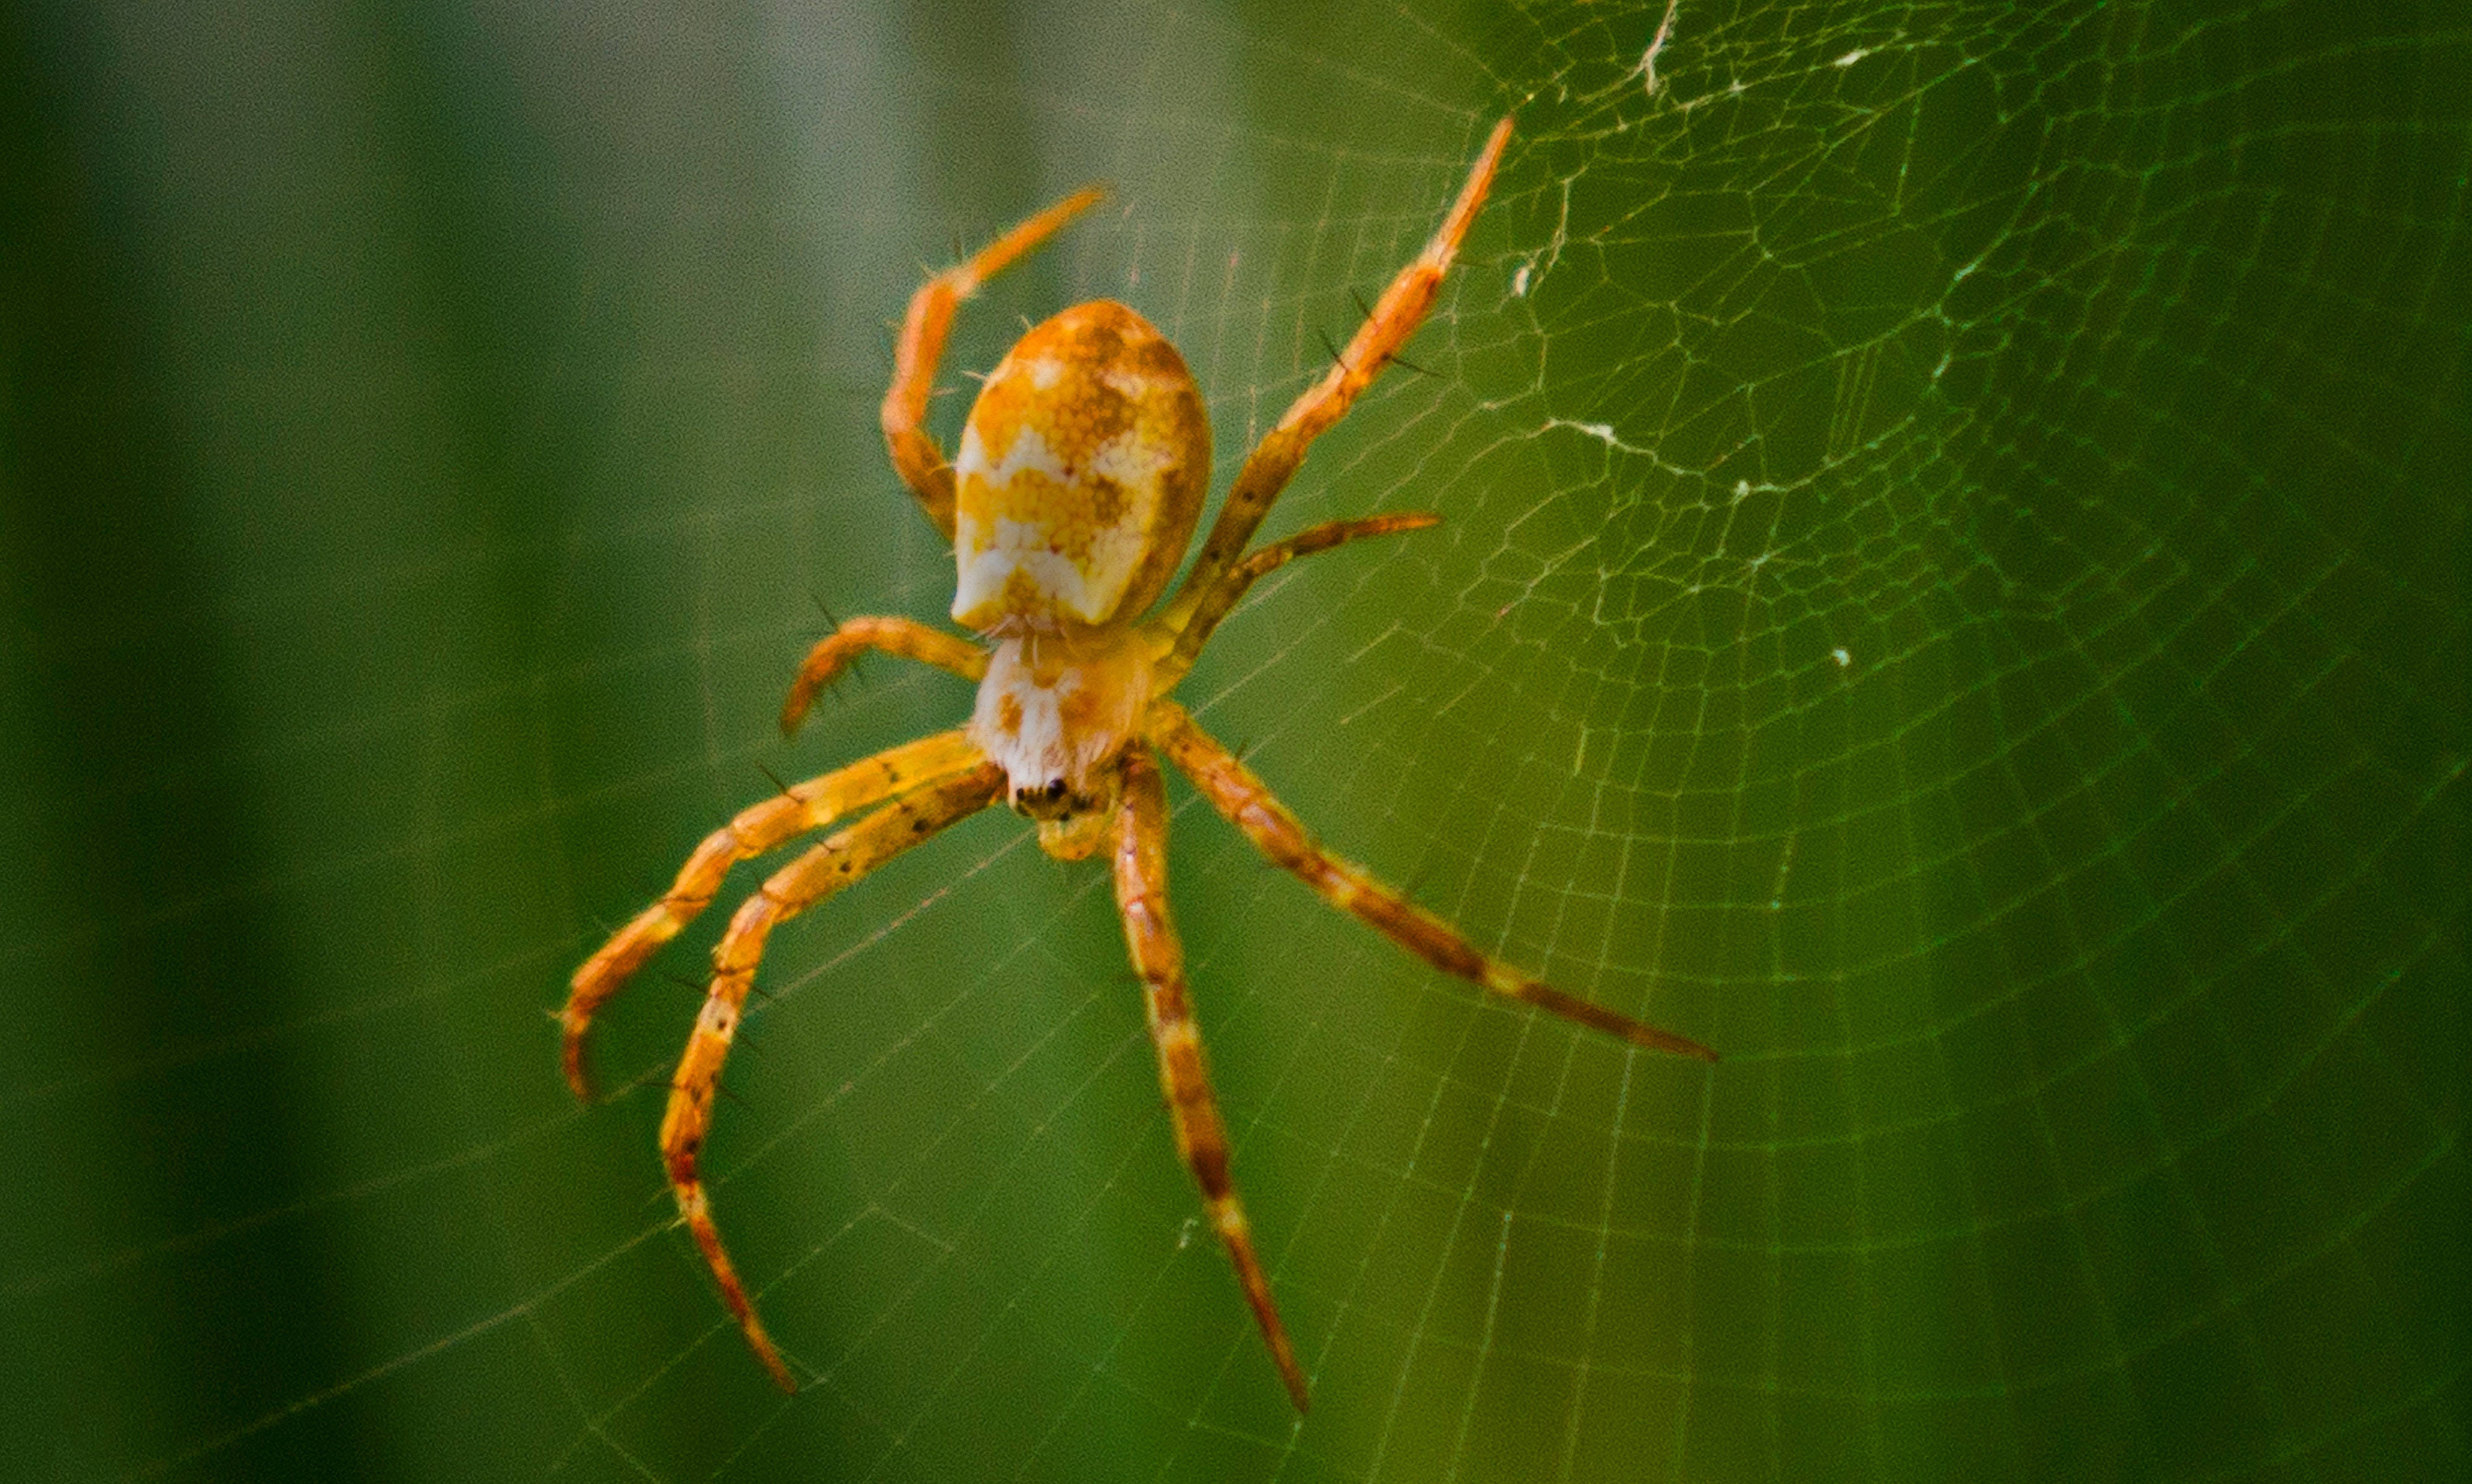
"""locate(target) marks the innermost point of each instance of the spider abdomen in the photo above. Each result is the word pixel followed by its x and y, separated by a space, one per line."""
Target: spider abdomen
pixel 1080 475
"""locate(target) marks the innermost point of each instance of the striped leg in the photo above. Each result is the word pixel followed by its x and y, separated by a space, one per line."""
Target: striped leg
pixel 809 806
pixel 1232 790
pixel 900 637
pixel 920 463
pixel 1396 317
pixel 840 859
pixel 1158 958
pixel 1222 600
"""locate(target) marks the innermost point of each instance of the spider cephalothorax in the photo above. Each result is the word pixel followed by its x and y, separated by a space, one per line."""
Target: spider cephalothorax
pixel 1055 711
pixel 1070 502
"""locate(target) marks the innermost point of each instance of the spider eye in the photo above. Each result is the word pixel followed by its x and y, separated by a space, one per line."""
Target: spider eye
pixel 1047 800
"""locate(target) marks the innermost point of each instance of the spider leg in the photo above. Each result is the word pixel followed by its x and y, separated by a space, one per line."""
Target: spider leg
pixel 921 464
pixel 808 806
pixel 1396 317
pixel 816 875
pixel 1232 790
pixel 1222 600
pixel 1184 1076
pixel 900 637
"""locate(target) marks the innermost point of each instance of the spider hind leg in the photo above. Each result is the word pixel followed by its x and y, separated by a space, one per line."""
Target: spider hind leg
pixel 1151 941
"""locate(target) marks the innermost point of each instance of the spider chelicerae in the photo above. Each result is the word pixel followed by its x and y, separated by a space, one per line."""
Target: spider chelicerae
pixel 1080 478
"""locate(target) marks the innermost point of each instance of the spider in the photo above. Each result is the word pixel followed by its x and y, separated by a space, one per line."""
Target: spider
pixel 1078 481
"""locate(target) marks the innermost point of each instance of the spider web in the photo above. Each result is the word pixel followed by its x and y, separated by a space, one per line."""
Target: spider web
pixel 1952 592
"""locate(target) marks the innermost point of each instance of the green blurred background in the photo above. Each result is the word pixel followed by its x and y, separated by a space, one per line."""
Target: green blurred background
pixel 1953 593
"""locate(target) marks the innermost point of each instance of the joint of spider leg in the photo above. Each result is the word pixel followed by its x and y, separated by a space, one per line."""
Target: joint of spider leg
pixel 693 1143
pixel 1279 839
pixel 667 1082
pixel 685 1155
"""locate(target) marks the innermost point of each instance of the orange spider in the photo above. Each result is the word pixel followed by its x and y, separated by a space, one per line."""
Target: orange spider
pixel 1082 472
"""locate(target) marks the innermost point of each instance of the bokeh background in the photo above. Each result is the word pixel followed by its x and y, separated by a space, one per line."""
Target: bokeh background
pixel 1953 592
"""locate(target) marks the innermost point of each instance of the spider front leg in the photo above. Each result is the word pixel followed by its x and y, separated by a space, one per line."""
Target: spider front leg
pixel 809 806
pixel 922 464
pixel 1184 1075
pixel 840 859
pixel 1242 800
pixel 1396 317
pixel 898 637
